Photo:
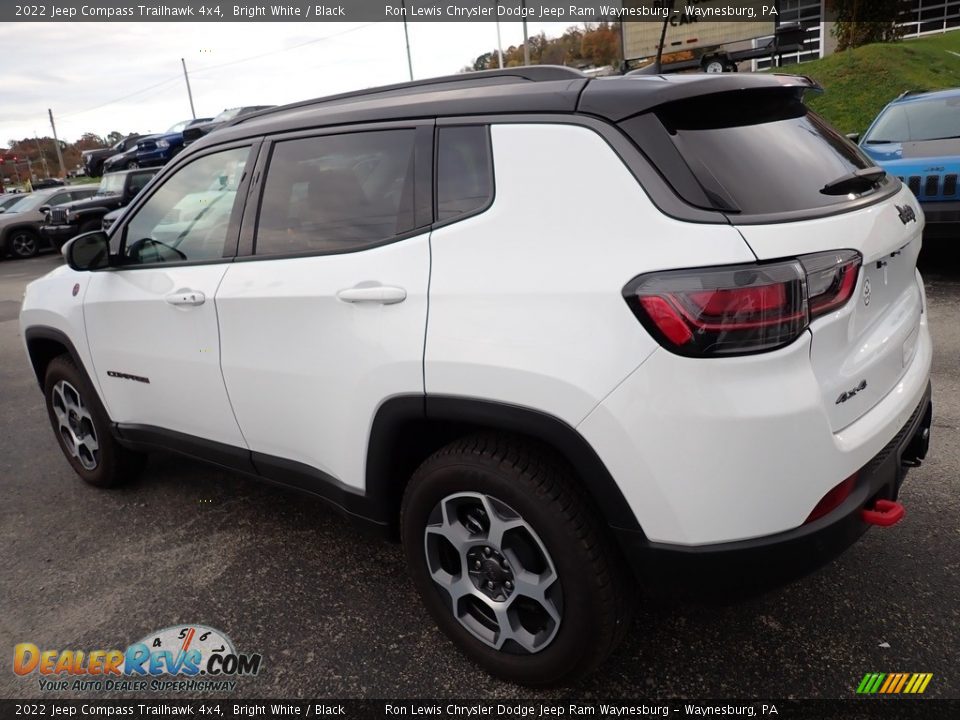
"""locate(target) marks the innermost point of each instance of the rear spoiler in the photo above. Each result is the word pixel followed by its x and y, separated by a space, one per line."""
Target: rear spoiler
pixel 617 98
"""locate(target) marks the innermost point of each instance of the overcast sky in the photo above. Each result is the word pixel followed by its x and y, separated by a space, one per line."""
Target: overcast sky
pixel 95 75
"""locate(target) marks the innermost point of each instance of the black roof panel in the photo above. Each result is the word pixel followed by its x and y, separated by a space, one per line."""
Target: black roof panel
pixel 534 89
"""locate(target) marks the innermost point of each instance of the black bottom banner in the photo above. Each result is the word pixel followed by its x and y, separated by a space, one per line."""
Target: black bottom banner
pixel 908 709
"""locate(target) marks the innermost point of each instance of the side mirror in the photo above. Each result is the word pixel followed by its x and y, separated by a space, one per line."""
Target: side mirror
pixel 853 137
pixel 89 251
pixel 43 209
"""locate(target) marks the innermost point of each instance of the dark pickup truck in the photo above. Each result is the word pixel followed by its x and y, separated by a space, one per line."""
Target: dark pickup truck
pixel 116 191
pixel 93 159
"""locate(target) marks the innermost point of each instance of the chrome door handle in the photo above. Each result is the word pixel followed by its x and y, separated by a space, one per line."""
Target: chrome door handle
pixel 186 297
pixel 383 294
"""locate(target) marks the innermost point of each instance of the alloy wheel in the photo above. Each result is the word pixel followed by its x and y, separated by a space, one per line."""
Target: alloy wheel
pixel 24 245
pixel 495 573
pixel 75 425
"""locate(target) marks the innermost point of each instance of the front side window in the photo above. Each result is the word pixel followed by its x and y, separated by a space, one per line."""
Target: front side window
pixel 464 172
pixel 188 217
pixel 336 193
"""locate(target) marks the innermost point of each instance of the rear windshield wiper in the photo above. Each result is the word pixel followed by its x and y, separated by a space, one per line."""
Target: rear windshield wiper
pixel 862 179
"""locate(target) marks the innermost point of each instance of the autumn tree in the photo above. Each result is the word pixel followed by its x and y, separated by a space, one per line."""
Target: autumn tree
pixel 860 22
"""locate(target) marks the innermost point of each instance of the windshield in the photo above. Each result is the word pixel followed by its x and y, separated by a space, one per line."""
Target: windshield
pixel 29 202
pixel 111 185
pixel 178 127
pixel 917 121
pixel 227 114
pixel 6 202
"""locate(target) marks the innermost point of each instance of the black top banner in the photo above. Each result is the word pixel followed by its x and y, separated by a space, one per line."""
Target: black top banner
pixel 464 709
pixel 655 11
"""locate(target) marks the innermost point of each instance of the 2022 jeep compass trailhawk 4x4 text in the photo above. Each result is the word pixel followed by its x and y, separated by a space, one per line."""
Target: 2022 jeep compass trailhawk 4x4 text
pixel 397 300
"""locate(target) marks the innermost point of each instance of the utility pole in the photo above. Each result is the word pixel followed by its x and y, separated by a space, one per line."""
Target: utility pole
pixel 189 93
pixel 496 4
pixel 526 45
pixel 43 158
pixel 56 143
pixel 406 37
pixel 663 37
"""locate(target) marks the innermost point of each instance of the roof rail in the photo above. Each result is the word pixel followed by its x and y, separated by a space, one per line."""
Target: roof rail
pixel 529 73
pixel 908 93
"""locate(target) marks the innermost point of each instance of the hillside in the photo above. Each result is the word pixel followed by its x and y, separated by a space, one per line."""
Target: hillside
pixel 858 83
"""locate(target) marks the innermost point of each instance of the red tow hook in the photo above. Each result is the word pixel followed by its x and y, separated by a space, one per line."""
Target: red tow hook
pixel 884 513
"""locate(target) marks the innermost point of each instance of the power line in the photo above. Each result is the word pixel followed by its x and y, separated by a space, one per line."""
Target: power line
pixel 176 78
pixel 215 67
pixel 281 50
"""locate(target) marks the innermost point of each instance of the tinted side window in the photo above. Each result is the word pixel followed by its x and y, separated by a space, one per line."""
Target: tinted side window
pixel 464 170
pixel 188 217
pixel 138 181
pixel 59 199
pixel 336 193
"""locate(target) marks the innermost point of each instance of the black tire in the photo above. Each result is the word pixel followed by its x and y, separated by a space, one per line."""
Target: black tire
pixel 113 464
pixel 23 243
pixel 539 488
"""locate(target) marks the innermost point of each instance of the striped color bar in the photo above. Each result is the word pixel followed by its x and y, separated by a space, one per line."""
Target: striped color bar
pixel 894 683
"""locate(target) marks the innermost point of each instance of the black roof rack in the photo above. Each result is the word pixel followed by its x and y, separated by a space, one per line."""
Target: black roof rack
pixel 530 73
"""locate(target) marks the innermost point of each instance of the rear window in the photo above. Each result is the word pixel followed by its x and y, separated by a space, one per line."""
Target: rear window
pixel 756 152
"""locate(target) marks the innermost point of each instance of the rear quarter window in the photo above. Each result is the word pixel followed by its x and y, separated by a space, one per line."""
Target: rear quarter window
pixel 464 171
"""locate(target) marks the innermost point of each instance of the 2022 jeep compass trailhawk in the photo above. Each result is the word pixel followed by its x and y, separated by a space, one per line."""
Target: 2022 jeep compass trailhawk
pixel 401 301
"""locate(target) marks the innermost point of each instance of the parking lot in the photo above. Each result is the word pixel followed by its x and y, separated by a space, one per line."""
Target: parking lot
pixel 333 612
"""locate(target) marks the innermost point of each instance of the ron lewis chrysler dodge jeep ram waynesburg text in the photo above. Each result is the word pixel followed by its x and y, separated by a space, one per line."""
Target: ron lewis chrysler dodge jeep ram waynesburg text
pixel 398 301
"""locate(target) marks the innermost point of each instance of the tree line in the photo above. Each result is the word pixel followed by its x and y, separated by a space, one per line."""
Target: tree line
pixel 38 156
pixel 592 45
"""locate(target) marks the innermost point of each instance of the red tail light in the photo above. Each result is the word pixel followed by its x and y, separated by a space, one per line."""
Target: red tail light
pixel 741 309
pixel 831 279
pixel 833 499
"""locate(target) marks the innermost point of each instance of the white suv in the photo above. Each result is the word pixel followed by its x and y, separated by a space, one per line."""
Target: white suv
pixel 540 327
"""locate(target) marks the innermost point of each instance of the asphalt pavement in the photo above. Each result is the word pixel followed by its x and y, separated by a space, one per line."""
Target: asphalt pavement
pixel 334 614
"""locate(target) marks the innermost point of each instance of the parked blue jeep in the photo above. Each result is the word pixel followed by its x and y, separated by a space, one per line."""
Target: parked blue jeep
pixel 917 138
pixel 160 149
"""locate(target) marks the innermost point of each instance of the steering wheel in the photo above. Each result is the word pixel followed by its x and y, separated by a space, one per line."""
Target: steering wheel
pixel 141 250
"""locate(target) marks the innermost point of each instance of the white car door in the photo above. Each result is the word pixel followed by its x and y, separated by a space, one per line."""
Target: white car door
pixel 151 319
pixel 326 316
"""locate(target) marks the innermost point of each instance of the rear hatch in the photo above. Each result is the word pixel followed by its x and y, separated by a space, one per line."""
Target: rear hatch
pixel 860 351
pixel 795 187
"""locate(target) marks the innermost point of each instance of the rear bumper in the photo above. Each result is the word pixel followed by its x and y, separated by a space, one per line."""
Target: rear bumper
pixel 787 555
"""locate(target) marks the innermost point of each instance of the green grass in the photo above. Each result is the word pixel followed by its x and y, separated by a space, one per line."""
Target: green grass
pixel 859 83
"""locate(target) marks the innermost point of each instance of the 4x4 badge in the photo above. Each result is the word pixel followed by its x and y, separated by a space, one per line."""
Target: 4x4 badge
pixel 906 214
pixel 844 396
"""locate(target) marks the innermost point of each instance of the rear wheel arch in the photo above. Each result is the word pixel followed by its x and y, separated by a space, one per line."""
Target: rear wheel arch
pixel 408 429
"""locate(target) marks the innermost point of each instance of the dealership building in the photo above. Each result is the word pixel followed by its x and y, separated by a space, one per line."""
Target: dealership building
pixel 924 17
pixel 817 17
